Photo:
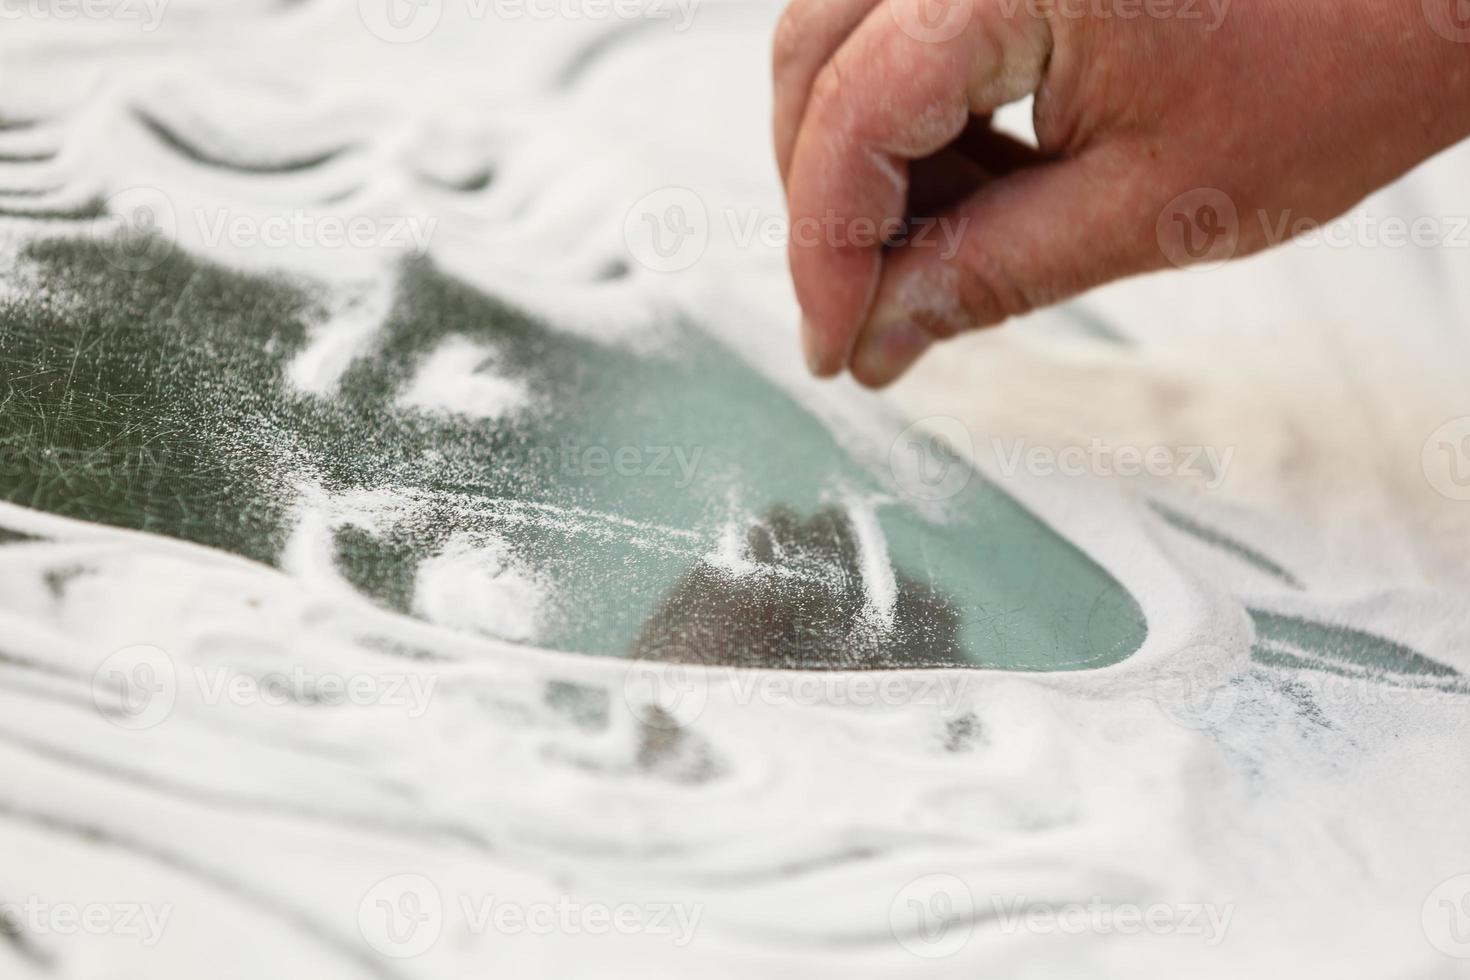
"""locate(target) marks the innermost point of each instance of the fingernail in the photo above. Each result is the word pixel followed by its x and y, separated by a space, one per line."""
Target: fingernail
pixel 885 353
pixel 809 347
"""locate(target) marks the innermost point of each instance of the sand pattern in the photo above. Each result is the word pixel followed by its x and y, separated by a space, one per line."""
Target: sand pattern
pixel 299 677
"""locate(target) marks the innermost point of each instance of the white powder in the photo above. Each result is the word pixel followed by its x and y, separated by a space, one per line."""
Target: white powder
pixel 879 584
pixel 473 584
pixel 731 555
pixel 356 317
pixel 458 379
pixel 1334 818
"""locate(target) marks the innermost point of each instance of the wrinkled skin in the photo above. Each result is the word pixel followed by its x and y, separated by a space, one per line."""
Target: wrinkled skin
pixel 1290 109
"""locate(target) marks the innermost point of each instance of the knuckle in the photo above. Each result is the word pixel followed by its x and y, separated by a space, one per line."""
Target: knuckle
pixel 987 294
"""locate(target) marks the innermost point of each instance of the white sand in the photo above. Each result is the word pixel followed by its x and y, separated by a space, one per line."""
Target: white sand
pixel 459 378
pixel 1325 835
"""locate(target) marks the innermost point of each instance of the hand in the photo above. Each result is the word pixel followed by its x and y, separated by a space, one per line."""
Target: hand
pixel 1281 110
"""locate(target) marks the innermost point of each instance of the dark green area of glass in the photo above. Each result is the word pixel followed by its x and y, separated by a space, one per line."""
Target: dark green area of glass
pixel 157 400
pixel 1290 641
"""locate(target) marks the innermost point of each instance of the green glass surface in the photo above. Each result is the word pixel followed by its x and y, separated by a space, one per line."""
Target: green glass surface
pixel 157 400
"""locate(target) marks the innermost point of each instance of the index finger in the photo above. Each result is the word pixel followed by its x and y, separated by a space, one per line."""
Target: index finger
pixel 901 87
pixel 809 34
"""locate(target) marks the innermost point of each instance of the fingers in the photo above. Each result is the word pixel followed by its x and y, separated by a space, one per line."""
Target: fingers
pixel 809 33
pixel 978 156
pixel 1036 237
pixel 888 96
pixel 994 150
pixel 938 182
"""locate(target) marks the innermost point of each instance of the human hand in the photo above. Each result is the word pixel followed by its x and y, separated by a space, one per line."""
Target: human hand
pixel 1289 110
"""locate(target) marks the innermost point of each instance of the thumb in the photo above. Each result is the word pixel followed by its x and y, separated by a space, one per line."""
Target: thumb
pixel 1030 239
